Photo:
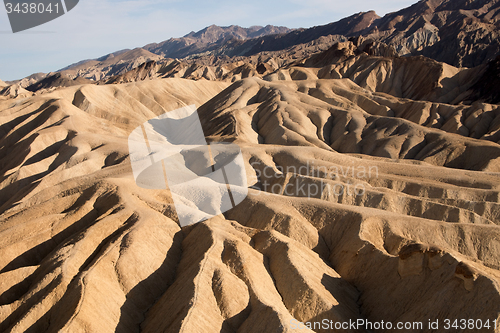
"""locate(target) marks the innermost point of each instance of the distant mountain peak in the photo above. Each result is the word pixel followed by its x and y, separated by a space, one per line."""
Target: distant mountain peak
pixel 200 40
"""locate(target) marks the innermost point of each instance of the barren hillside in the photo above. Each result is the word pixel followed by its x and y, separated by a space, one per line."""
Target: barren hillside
pixel 399 221
pixel 373 184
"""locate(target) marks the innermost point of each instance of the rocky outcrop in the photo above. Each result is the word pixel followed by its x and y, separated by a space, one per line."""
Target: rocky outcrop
pixel 110 65
pixel 57 80
pixel 484 89
pixel 14 91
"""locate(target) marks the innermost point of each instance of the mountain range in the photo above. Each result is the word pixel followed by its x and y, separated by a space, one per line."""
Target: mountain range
pixel 461 33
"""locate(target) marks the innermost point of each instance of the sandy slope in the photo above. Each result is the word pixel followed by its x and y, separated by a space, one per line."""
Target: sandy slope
pixel 86 250
pixel 13 90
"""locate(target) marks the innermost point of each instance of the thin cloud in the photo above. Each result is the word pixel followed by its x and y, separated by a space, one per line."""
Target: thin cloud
pixel 97 27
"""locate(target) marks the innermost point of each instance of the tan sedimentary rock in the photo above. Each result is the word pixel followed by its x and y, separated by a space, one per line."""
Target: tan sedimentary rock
pixel 84 249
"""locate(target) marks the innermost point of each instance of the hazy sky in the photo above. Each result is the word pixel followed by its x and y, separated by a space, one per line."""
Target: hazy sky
pixel 98 27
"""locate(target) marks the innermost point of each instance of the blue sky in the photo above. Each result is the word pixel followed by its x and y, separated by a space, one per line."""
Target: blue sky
pixel 98 27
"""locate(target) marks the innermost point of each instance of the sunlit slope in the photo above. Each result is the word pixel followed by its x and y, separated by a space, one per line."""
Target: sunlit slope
pixel 357 210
